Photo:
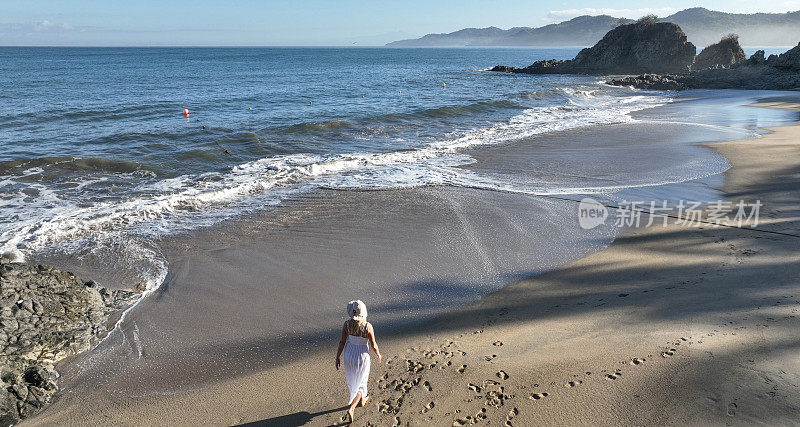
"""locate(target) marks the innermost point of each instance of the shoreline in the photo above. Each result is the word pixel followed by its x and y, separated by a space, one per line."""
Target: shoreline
pixel 260 395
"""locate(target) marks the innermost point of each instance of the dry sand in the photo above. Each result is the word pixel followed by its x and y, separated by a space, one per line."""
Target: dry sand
pixel 668 325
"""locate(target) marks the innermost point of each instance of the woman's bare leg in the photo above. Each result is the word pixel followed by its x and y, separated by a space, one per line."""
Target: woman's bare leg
pixel 364 401
pixel 353 406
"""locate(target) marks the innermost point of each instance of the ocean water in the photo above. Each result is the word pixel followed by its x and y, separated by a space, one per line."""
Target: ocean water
pixel 307 177
pixel 98 161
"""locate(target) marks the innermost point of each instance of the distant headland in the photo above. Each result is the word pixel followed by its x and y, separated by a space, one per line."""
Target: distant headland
pixel 701 26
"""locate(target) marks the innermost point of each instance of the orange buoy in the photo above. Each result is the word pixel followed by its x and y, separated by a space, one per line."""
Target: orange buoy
pixel 186 112
pixel 310 102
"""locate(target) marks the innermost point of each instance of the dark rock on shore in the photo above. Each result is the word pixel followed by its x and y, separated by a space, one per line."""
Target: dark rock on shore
pixel 650 81
pixel 788 61
pixel 722 54
pixel 46 315
pixel 645 46
pixel 781 72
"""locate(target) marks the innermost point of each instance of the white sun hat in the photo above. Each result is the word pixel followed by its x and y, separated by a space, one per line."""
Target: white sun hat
pixel 357 310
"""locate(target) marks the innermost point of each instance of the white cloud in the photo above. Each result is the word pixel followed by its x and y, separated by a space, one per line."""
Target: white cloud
pixel 563 15
pixel 41 27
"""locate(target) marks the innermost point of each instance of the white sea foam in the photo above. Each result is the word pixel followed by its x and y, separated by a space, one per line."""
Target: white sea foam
pixel 165 206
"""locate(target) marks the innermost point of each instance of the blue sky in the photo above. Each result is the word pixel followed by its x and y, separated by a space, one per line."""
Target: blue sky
pixel 311 22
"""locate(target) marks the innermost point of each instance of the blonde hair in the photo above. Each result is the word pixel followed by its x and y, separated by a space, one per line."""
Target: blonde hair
pixel 357 311
pixel 356 326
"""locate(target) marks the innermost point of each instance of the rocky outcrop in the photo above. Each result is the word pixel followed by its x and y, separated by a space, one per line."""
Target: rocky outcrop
pixel 645 46
pixel 788 61
pixel 722 54
pixel 46 315
pixel 778 72
pixel 650 81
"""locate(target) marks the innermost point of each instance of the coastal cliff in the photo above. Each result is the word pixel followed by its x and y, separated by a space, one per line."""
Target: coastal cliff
pixel 46 315
pixel 646 46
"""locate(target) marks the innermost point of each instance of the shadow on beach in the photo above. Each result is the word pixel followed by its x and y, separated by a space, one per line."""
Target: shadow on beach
pixel 295 419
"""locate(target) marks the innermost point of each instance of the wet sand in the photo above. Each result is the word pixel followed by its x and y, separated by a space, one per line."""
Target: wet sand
pixel 578 334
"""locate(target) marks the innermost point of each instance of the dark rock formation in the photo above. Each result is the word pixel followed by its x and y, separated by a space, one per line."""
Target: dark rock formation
pixel 722 54
pixel 502 69
pixel 650 81
pixel 756 59
pixel 788 61
pixel 645 46
pixel 642 47
pixel 46 315
pixel 781 72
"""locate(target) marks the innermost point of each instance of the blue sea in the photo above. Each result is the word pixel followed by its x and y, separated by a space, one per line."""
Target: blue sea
pixel 94 145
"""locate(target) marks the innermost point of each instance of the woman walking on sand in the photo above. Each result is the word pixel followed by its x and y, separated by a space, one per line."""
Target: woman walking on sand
pixel 357 336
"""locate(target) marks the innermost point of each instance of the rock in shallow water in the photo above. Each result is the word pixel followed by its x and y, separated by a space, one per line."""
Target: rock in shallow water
pixel 45 315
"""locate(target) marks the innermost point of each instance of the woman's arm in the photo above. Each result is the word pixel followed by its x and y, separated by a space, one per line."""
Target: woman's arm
pixel 371 333
pixel 341 346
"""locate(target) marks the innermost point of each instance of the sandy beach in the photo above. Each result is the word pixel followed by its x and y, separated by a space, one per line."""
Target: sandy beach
pixel 668 325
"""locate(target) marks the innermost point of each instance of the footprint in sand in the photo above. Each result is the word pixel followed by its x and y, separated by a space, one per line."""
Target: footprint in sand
pixel 497 343
pixel 487 383
pixel 614 376
pixel 463 421
pixel 428 407
pixel 668 353
pixel 537 396
pixel 511 414
pixel 474 387
pixel 502 375
pixel 731 409
pixel 489 358
pixel 462 369
pixel 637 361
pixel 573 383
pixel 427 386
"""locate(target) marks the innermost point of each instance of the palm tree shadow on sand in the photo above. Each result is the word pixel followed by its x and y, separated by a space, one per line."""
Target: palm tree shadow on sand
pixel 296 419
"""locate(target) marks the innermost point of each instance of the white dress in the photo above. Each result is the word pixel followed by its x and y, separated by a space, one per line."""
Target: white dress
pixel 356 365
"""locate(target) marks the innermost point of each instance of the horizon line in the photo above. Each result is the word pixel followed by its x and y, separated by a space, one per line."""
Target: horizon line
pixel 319 46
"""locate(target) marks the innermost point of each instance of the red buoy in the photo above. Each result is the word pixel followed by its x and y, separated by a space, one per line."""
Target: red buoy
pixel 186 112
pixel 444 85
